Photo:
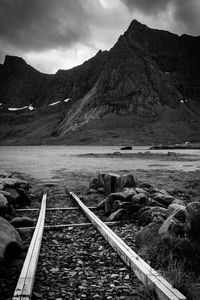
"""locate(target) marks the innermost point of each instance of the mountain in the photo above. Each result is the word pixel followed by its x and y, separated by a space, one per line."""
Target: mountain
pixel 146 89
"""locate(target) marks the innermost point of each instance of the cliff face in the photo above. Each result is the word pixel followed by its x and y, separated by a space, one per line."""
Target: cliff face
pixel 146 70
pixel 21 84
pixel 148 75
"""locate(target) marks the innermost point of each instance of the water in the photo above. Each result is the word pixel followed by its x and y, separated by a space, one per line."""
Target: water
pixel 42 162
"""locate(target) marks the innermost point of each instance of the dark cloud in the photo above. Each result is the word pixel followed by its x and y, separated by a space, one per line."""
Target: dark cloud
pixel 52 32
pixel 42 24
pixel 147 6
pixel 184 13
pixel 187 12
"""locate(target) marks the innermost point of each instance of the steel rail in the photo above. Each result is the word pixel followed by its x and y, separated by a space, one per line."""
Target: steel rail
pixel 25 283
pixel 143 271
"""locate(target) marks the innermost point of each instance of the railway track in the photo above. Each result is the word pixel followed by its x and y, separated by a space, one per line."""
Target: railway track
pixel 79 258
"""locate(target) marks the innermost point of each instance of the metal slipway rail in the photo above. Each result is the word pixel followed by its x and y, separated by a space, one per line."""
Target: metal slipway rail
pixel 143 271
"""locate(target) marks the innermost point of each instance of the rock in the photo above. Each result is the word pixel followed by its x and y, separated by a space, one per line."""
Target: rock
pixel 13 193
pixel 142 191
pixel 139 199
pixel 147 215
pixel 15 183
pixel 163 199
pixel 172 207
pixel 6 194
pixel 9 239
pixel 22 222
pixel 173 227
pixel 126 148
pixel 19 197
pixel 3 206
pixel 164 192
pixel 117 215
pixel 147 237
pixel 121 196
pixel 192 224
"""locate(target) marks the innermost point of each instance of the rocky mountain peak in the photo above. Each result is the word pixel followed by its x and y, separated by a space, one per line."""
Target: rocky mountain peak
pixel 147 72
pixel 14 61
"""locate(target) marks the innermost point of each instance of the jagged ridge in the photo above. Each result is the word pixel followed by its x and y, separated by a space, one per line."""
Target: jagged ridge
pixel 146 72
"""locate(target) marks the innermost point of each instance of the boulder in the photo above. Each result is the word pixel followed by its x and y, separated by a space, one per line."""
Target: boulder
pixel 22 222
pixel 15 183
pixel 172 207
pixel 6 194
pixel 19 197
pixel 3 206
pixel 153 190
pixel 123 196
pixel 117 215
pixel 13 193
pixel 163 198
pixel 173 227
pixel 141 199
pixel 148 214
pixel 147 237
pixel 164 192
pixel 142 191
pixel 8 236
pixel 192 224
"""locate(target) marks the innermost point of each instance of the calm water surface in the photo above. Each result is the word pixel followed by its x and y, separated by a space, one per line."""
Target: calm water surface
pixel 42 162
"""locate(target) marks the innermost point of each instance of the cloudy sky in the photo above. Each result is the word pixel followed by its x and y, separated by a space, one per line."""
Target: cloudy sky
pixel 55 34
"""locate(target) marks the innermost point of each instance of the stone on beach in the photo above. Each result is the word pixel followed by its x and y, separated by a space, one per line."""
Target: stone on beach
pixel 8 236
pixel 164 199
pixel 173 227
pixel 139 199
pixel 147 237
pixel 148 214
pixel 3 205
pixel 192 224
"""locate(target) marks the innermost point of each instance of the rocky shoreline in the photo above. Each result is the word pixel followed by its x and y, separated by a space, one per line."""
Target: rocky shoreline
pixel 160 225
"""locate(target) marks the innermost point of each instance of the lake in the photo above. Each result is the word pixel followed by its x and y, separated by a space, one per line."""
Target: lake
pixel 42 162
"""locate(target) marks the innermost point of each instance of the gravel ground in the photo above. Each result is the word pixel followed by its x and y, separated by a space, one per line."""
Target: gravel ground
pixel 76 263
pixel 79 264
